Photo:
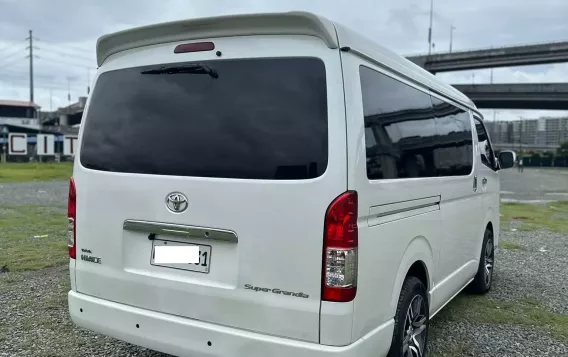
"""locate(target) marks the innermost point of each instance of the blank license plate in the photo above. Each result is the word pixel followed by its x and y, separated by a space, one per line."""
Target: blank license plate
pixel 175 255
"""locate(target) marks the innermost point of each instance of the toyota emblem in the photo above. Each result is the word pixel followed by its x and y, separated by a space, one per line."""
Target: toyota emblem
pixel 176 202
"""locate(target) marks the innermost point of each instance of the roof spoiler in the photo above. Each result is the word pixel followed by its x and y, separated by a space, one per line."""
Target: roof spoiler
pixel 288 23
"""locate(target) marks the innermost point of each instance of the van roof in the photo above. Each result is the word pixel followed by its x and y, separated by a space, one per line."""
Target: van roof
pixel 285 23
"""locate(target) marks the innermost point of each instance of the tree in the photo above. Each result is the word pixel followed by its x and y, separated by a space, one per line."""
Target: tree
pixel 562 151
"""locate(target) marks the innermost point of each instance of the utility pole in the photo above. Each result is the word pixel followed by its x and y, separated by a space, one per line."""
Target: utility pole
pixel 31 55
pixel 430 28
pixel 494 111
pixel 69 91
pixel 452 28
pixel 88 81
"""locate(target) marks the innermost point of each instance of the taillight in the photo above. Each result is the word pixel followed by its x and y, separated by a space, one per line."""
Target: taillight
pixel 71 216
pixel 340 249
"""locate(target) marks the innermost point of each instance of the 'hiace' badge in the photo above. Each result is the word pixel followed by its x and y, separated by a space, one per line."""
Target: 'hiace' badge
pixel 89 258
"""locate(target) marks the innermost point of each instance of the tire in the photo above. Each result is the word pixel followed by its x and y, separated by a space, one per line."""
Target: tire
pixel 403 345
pixel 483 280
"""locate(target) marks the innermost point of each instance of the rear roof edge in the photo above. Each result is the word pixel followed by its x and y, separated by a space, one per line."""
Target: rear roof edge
pixel 288 23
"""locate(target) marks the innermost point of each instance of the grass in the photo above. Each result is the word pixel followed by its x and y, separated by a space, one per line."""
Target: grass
pixel 527 312
pixel 32 237
pixel 550 216
pixel 457 350
pixel 35 171
pixel 510 245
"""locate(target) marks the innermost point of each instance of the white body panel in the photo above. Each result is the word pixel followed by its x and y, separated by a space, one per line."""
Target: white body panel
pixel 269 231
pixel 274 229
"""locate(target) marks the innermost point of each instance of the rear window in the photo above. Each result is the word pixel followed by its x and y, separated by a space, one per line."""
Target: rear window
pixel 259 119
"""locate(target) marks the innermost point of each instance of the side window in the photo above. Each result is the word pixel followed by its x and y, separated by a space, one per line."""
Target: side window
pixel 487 156
pixel 408 133
pixel 400 128
pixel 454 155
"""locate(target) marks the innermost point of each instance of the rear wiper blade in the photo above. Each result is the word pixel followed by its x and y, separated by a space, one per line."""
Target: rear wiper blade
pixel 194 69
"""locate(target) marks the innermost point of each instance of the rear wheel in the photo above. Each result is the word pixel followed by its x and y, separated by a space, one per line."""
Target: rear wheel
pixel 412 319
pixel 481 284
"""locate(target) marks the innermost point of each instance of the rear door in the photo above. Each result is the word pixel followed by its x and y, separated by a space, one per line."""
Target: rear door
pixel 460 203
pixel 240 153
pixel 489 185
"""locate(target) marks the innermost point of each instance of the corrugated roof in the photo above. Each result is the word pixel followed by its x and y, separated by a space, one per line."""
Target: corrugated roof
pixel 18 103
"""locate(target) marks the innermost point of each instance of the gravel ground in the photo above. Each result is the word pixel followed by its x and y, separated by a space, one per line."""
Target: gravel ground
pixel 51 193
pixel 534 185
pixel 34 320
pixel 539 270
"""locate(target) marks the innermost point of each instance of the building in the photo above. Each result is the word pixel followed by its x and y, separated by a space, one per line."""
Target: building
pixel 24 117
pixel 543 134
pixel 20 115
pixel 69 116
pixel 555 130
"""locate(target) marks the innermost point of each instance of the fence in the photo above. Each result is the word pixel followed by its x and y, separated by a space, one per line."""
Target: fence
pixel 545 161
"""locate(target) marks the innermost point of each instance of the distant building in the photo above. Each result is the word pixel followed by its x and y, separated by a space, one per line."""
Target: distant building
pixel 69 116
pixel 21 115
pixel 543 134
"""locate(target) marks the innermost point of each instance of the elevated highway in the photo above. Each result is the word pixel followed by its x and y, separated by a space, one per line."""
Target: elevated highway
pixel 553 96
pixel 555 52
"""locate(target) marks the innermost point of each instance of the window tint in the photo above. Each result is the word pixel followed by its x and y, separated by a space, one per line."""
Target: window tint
pixel 454 156
pixel 400 130
pixel 260 119
pixel 487 156
pixel 410 134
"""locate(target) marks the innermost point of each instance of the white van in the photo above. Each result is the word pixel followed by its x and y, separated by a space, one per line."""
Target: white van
pixel 275 185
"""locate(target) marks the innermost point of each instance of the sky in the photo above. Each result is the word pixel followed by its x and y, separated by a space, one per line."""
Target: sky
pixel 65 34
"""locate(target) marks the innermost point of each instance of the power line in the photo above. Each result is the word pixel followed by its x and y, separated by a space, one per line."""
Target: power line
pixel 46 86
pixel 92 60
pixel 12 54
pixel 77 48
pixel 14 44
pixel 64 62
pixel 10 62
pixel 39 80
pixel 68 46
pixel 39 70
pixel 22 74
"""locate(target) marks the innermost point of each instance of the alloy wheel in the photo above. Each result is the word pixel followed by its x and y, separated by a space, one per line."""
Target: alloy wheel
pixel 414 337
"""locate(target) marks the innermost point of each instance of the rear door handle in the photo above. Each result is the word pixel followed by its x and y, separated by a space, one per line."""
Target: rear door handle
pixel 474 183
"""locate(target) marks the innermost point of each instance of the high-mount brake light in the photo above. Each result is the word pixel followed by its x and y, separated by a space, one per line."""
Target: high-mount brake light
pixel 194 47
pixel 339 280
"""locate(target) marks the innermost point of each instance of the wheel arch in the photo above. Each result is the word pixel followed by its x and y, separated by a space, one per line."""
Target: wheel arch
pixel 418 259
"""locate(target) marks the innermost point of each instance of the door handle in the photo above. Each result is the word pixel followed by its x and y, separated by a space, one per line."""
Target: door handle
pixel 474 183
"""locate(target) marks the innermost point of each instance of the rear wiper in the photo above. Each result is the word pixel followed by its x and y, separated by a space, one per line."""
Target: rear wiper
pixel 194 69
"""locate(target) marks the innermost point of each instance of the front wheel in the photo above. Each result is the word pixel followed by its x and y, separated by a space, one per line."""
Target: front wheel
pixel 481 284
pixel 410 336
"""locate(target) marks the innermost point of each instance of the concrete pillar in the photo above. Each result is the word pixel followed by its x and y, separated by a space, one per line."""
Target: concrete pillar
pixel 63 120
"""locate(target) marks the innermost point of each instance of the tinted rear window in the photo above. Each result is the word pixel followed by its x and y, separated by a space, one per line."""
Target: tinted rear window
pixel 260 119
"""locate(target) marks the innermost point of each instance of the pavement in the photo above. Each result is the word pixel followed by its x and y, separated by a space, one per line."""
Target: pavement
pixel 534 185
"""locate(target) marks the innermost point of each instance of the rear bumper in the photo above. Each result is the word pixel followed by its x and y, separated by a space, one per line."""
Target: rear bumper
pixel 185 337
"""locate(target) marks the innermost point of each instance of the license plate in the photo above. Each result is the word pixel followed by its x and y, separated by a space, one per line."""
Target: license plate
pixel 166 253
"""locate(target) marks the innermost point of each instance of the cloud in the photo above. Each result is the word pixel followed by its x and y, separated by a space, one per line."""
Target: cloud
pixel 67 30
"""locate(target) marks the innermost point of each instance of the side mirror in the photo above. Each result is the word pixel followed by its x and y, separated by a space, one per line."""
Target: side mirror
pixel 507 159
